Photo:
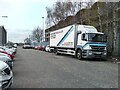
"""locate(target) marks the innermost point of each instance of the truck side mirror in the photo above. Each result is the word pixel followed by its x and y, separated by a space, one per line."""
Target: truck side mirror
pixel 83 37
pixel 79 32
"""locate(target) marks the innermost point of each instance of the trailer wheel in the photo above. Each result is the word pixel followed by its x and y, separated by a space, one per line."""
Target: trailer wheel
pixel 79 54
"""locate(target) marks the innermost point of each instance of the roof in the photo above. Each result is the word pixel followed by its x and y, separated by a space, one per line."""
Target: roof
pixel 87 29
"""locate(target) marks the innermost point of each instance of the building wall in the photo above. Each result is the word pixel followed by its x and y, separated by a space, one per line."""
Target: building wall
pixel 3 36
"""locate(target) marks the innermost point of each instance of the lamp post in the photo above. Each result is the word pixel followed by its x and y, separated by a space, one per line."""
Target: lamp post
pixel 43 30
pixel 4 16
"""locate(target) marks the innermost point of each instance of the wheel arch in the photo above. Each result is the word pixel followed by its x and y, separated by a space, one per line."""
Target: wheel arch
pixel 76 50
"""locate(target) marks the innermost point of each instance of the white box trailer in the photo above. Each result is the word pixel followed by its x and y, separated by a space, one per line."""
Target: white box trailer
pixel 82 41
pixel 63 37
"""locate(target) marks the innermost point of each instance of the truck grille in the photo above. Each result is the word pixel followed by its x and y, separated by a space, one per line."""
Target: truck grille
pixel 98 55
pixel 7 71
pixel 98 48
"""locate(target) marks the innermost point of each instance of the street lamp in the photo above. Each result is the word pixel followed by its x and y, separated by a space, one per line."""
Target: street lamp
pixel 4 16
pixel 43 30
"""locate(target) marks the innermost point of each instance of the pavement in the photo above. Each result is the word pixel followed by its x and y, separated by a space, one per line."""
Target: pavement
pixel 39 69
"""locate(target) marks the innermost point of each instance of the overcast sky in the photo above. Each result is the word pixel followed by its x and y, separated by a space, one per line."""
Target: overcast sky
pixel 23 16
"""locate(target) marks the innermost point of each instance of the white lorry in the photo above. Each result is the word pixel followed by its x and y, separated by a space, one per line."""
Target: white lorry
pixel 82 41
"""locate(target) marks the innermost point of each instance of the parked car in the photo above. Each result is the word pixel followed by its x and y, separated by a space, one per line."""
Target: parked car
pixel 3 54
pixel 43 48
pixel 15 45
pixel 47 48
pixel 27 46
pixel 7 60
pixel 12 49
pixel 39 48
pixel 10 55
pixel 6 49
pixel 6 76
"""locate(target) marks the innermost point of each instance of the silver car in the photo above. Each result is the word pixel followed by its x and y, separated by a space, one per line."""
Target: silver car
pixel 7 60
pixel 6 76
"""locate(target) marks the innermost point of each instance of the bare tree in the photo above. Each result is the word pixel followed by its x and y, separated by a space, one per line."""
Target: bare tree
pixel 88 6
pixel 61 10
pixel 50 18
pixel 27 40
pixel 115 28
pixel 9 43
pixel 99 16
pixel 37 34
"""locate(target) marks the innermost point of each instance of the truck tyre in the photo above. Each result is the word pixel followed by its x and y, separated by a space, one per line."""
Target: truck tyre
pixel 79 54
pixel 56 52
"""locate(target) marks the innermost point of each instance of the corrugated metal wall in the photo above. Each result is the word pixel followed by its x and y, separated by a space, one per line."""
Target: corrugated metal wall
pixel 3 36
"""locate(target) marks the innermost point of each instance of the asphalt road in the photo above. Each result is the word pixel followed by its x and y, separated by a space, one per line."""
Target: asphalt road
pixel 39 69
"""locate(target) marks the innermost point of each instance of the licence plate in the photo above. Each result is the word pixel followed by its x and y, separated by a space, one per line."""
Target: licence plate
pixel 97 52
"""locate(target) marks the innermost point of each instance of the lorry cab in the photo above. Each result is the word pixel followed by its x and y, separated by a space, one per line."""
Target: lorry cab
pixel 90 43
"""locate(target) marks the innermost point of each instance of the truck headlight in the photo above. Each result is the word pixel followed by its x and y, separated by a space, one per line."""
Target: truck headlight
pixel 105 54
pixel 105 48
pixel 87 47
pixel 0 85
pixel 90 53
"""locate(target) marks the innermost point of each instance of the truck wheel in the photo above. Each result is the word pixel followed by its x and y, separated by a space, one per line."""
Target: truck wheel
pixel 56 52
pixel 79 54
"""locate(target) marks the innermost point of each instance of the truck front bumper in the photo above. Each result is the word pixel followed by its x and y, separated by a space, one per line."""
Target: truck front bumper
pixel 94 54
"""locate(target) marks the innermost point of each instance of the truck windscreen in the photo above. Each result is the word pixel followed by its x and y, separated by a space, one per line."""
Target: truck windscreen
pixel 97 37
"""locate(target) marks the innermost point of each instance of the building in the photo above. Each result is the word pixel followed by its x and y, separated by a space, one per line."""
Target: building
pixel 3 36
pixel 104 16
